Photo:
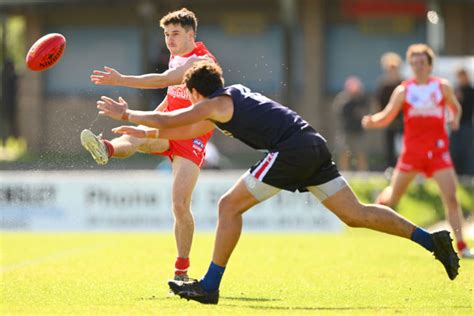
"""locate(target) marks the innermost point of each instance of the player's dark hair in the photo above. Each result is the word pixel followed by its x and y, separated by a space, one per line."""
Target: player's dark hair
pixel 416 49
pixel 204 76
pixel 184 17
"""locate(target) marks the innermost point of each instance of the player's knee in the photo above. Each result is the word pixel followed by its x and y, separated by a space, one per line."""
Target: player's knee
pixel 227 206
pixel 181 208
pixel 224 206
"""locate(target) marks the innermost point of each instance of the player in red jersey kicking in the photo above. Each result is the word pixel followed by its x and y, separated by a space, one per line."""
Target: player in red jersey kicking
pixel 424 99
pixel 187 156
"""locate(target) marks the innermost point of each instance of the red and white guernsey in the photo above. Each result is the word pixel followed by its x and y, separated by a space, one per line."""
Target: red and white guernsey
pixel 425 140
pixel 178 98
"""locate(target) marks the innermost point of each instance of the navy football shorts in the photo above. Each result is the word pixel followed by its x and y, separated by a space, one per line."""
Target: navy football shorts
pixel 296 169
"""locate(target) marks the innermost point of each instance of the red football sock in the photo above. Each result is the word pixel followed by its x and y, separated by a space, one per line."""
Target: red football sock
pixel 181 266
pixel 110 147
pixel 461 245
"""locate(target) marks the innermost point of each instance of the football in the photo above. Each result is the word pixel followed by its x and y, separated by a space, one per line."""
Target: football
pixel 45 52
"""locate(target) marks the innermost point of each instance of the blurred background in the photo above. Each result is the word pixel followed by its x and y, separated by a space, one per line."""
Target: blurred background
pixel 302 53
pixel 331 61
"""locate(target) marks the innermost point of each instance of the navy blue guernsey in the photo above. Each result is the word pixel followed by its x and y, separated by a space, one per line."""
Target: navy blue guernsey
pixel 265 124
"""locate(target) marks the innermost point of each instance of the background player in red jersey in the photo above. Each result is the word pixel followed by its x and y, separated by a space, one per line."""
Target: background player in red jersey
pixel 424 99
pixel 187 156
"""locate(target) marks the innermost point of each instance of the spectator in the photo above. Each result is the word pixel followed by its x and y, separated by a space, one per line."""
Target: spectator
pixel 390 79
pixel 351 104
pixel 9 93
pixel 462 140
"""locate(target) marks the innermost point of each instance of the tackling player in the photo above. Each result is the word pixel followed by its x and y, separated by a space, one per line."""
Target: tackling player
pixel 424 99
pixel 297 159
pixel 187 155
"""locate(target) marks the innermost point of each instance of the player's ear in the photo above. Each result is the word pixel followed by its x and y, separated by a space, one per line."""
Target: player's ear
pixel 191 34
pixel 193 95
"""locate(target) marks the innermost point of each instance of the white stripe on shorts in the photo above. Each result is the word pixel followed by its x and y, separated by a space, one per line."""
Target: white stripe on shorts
pixel 262 169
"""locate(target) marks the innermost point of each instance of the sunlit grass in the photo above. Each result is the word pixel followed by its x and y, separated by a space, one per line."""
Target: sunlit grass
pixel 357 272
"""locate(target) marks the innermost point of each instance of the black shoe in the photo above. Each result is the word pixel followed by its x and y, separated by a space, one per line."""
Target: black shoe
pixel 444 252
pixel 193 291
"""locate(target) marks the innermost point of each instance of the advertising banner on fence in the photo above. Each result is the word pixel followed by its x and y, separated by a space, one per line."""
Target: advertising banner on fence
pixel 140 201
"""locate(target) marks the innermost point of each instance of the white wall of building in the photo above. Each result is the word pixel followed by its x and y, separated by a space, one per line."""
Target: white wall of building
pixel 140 201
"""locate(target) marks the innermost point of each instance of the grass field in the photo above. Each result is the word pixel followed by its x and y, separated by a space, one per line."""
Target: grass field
pixel 357 272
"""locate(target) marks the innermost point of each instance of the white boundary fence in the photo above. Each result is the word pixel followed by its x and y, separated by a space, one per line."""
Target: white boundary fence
pixel 140 201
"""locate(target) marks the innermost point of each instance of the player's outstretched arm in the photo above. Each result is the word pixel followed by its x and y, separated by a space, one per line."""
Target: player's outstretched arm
pixel 389 113
pixel 110 76
pixel 183 132
pixel 217 109
pixel 453 105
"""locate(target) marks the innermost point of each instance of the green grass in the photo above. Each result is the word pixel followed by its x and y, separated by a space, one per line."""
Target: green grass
pixel 357 272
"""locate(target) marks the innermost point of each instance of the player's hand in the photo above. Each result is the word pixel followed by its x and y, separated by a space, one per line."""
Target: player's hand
pixel 453 120
pixel 108 77
pixel 136 131
pixel 111 108
pixel 454 124
pixel 367 122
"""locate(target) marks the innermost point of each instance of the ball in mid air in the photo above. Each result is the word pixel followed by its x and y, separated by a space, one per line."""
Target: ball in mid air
pixel 45 52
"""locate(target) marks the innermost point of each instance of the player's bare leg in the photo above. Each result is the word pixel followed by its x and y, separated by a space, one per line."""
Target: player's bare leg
pixel 120 147
pixel 126 146
pixel 447 183
pixel 185 175
pixel 381 218
pixel 345 205
pixel 446 180
pixel 229 226
pixel 399 183
pixel 232 205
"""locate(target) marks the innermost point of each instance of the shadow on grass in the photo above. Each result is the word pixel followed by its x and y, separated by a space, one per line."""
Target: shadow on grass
pixel 156 298
pixel 296 308
pixel 342 308
pixel 312 308
pixel 250 299
pixel 246 299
